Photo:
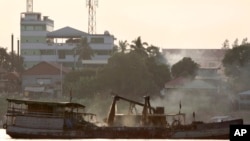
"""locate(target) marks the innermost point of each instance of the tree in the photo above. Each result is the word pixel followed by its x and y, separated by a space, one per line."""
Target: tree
pixel 17 63
pixel 126 74
pixel 160 72
pixel 115 49
pixel 7 63
pixel 225 44
pixel 81 82
pixel 244 41
pixel 133 75
pixel 84 50
pixel 153 51
pixel 139 47
pixel 237 67
pixel 5 59
pixel 157 67
pixel 185 68
pixel 123 45
pixel 235 44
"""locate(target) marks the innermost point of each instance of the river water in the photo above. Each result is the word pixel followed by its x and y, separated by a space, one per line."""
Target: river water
pixel 5 137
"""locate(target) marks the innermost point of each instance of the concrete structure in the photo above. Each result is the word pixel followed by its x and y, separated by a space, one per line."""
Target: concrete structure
pixel 39 42
pixel 44 78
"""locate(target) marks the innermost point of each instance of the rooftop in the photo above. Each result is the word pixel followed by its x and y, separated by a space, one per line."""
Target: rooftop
pixel 62 104
pixel 66 32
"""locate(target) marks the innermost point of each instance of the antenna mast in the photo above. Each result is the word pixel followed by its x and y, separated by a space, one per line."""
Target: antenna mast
pixel 92 4
pixel 29 6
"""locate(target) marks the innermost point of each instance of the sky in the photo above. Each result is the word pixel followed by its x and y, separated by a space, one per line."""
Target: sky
pixel 199 24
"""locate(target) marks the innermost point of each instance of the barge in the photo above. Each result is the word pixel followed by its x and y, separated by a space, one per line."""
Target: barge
pixel 68 120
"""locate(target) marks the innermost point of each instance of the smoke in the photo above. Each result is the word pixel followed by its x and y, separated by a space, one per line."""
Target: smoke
pixel 205 105
pixel 203 57
pixel 173 58
pixel 206 101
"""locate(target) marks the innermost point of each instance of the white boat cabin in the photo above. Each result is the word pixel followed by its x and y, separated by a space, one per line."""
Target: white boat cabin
pixel 45 115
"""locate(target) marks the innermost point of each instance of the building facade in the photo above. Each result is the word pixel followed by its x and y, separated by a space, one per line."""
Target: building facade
pixel 44 78
pixel 39 42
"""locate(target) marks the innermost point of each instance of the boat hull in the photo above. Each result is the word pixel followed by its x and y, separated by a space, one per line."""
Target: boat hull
pixel 92 132
pixel 201 131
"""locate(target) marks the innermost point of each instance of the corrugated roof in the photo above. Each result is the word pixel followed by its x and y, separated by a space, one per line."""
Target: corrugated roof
pixel 46 68
pixel 66 32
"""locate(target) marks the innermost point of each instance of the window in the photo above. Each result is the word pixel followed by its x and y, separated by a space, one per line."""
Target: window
pixel 39 27
pixel 29 27
pixel 97 40
pixel 43 81
pixel 47 52
pixel 61 54
pixel 22 28
pixel 102 52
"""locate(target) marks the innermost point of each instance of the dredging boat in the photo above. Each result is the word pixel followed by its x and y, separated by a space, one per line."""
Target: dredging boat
pixel 68 120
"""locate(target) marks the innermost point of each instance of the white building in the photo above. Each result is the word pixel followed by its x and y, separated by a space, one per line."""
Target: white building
pixel 39 42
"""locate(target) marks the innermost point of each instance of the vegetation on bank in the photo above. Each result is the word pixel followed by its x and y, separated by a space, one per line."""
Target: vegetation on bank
pixel 134 70
pixel 237 67
pixel 10 61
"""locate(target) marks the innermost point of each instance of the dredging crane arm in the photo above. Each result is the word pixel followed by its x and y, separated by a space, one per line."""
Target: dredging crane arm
pixel 111 114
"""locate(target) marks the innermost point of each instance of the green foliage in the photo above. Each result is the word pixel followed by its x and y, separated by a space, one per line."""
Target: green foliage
pixel 185 68
pixel 139 47
pixel 133 75
pixel 160 72
pixel 7 63
pixel 83 82
pixel 237 66
pixel 137 73
pixel 125 74
pixel 123 46
pixel 84 50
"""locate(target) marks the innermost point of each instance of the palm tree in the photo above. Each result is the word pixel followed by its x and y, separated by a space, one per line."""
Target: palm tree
pixel 123 45
pixel 5 59
pixel 84 50
pixel 138 46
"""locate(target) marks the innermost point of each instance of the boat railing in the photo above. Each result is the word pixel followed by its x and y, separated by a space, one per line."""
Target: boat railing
pixel 25 112
pixel 13 112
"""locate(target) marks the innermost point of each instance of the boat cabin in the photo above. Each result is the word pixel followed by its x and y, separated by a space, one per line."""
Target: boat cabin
pixel 45 115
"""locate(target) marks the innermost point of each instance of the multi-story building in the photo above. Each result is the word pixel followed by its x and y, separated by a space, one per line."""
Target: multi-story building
pixel 39 42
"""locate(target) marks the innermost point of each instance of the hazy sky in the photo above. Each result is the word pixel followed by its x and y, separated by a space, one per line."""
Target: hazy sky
pixel 164 23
